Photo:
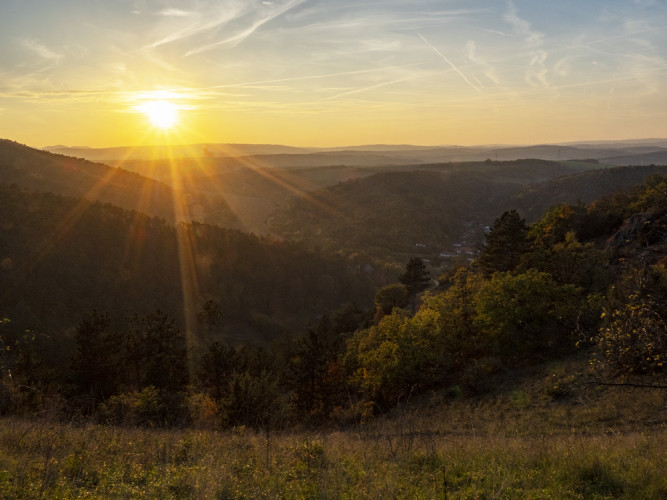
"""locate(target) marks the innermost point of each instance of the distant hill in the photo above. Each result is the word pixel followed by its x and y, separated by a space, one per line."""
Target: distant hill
pixel 178 151
pixel 441 208
pixel 633 151
pixel 584 187
pixel 395 213
pixel 43 171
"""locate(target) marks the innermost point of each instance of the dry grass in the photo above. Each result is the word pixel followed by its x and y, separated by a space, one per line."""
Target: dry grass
pixel 58 461
pixel 525 440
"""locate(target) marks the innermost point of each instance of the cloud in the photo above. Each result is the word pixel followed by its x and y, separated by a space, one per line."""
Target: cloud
pixel 176 13
pixel 451 64
pixel 261 16
pixel 365 89
pixel 488 70
pixel 203 22
pixel 536 73
pixel 42 50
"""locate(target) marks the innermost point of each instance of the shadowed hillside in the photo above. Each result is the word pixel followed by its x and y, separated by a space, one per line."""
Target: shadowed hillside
pixel 584 187
pixel 61 257
pixel 43 171
pixel 433 206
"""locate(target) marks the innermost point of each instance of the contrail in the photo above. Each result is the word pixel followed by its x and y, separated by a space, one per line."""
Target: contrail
pixel 450 64
pixel 313 77
pixel 364 89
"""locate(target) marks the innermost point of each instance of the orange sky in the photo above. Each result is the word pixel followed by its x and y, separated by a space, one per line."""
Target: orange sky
pixel 321 73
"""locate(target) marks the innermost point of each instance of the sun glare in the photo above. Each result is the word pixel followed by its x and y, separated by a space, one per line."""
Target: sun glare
pixel 162 114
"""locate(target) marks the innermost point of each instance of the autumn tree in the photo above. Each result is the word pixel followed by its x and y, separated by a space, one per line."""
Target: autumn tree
pixel 390 296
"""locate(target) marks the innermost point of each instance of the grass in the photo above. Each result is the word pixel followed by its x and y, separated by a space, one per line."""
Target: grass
pixel 548 437
pixel 59 461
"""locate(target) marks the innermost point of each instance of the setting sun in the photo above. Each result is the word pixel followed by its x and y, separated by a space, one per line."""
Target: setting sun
pixel 162 114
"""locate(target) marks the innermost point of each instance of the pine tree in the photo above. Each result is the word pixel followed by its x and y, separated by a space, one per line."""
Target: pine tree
pixel 416 279
pixel 505 244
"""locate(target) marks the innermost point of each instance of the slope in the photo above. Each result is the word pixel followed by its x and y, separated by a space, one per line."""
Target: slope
pixel 584 187
pixel 43 171
pixel 392 214
pixel 61 257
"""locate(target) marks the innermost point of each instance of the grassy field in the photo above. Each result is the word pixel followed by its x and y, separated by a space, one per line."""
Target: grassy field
pixel 55 461
pixel 546 438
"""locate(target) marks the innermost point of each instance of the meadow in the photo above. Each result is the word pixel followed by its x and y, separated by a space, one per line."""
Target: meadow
pixel 601 443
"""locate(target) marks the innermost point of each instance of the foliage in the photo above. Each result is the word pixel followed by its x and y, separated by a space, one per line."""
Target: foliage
pixel 532 293
pixel 634 341
pixel 416 279
pixel 570 261
pixel 389 297
pixel 505 243
pixel 527 313
pixel 94 256
pixel 396 357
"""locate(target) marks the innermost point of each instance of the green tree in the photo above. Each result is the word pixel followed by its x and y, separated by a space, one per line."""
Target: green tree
pixel 634 341
pixel 255 401
pixel 309 369
pixel 396 358
pixel 570 261
pixel 505 243
pixel 527 314
pixel 390 296
pixel 95 364
pixel 216 369
pixel 416 279
pixel 154 347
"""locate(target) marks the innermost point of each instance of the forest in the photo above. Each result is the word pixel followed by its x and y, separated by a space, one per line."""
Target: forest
pixel 586 278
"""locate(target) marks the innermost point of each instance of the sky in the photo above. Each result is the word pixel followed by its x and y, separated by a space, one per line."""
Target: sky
pixel 332 73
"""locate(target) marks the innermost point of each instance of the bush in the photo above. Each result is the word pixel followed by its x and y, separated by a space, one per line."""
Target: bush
pixel 634 341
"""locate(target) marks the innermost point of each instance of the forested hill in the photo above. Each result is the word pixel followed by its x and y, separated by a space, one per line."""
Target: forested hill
pixel 428 209
pixel 584 187
pixel 43 171
pixel 62 257
pixel 388 213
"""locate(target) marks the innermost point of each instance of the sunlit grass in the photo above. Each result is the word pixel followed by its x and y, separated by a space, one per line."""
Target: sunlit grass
pixel 60 461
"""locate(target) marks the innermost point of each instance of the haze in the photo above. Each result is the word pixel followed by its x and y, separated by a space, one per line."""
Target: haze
pixel 321 73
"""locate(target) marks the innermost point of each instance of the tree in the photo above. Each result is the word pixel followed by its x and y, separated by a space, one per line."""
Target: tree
pixel 154 347
pixel 506 242
pixel 416 279
pixel 216 369
pixel 94 366
pixel 390 296
pixel 527 314
pixel 634 341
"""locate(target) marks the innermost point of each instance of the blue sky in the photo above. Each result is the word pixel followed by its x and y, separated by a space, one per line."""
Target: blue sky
pixel 311 72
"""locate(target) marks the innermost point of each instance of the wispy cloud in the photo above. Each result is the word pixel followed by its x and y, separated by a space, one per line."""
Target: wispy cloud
pixel 171 12
pixel 366 89
pixel 41 50
pixel 488 69
pixel 536 73
pixel 451 64
pixel 263 16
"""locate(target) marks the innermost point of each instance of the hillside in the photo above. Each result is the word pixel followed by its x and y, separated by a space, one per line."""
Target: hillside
pixel 62 257
pixel 547 310
pixel 434 206
pixel 584 187
pixel 39 170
